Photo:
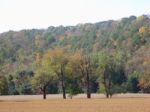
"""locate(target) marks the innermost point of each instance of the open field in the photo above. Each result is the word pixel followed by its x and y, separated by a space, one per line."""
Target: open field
pixel 54 103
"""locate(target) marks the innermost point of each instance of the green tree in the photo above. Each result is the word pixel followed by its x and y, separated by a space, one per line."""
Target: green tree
pixel 73 76
pixel 43 73
pixel 112 73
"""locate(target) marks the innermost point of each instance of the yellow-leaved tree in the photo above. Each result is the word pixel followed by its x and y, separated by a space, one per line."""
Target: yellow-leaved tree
pixel 59 60
pixel 142 29
pixel 43 73
pixel 82 64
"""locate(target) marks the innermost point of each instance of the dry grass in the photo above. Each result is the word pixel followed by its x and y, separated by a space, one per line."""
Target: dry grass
pixel 116 104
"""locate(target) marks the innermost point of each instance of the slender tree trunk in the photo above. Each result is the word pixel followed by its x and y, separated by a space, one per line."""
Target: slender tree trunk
pixel 106 90
pixel 110 92
pixel 105 85
pixel 88 86
pixel 88 95
pixel 64 92
pixel 62 84
pixel 107 95
pixel 44 91
pixel 44 94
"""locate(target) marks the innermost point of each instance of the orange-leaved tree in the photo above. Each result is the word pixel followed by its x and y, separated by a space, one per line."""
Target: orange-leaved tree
pixel 83 64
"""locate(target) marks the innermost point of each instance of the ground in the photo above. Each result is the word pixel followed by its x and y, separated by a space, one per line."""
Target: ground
pixel 54 103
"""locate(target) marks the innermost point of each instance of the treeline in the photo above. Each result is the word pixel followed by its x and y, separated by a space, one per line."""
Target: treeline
pixel 106 57
pixel 79 72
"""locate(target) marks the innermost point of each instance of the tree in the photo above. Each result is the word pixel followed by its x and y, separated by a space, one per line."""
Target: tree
pixel 59 60
pixel 86 70
pixel 73 76
pixel 43 73
pixel 111 70
pixel 84 66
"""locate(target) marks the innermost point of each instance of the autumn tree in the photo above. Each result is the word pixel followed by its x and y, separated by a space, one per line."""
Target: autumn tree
pixel 86 70
pixel 73 74
pixel 59 60
pixel 142 29
pixel 144 83
pixel 84 64
pixel 43 73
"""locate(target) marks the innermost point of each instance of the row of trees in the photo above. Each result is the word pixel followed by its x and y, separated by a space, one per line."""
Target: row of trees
pixel 79 68
pixel 61 71
pixel 72 72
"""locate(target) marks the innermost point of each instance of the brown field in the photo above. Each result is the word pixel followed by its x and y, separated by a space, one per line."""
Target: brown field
pixel 54 103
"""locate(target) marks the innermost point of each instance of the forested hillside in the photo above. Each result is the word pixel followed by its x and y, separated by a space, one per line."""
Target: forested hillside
pixel 109 57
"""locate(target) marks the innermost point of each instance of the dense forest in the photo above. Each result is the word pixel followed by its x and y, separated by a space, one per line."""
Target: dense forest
pixel 105 57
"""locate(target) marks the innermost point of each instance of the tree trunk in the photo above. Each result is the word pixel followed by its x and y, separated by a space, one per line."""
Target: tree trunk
pixel 44 91
pixel 64 92
pixel 105 85
pixel 44 94
pixel 62 84
pixel 107 95
pixel 88 95
pixel 88 86
pixel 109 87
pixel 107 91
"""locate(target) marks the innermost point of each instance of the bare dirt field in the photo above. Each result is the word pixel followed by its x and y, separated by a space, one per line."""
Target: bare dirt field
pixel 55 103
